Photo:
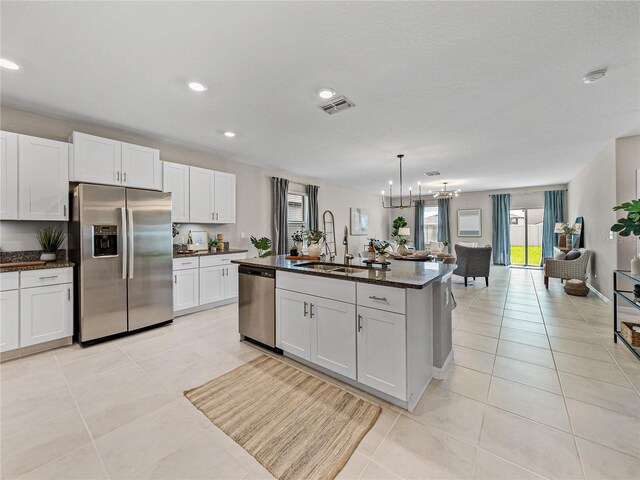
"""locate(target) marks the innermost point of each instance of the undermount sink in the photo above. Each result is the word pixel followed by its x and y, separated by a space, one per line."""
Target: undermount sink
pixel 330 267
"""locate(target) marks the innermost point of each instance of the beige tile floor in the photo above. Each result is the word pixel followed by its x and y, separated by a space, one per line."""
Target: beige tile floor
pixel 538 389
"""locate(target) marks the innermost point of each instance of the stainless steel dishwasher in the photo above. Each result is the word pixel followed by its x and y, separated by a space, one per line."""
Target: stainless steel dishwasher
pixel 257 310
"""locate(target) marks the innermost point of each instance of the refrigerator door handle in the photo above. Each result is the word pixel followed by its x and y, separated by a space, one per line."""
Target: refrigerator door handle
pixel 130 245
pixel 123 254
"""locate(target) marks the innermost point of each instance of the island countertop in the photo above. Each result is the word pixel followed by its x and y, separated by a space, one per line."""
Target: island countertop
pixel 398 274
pixel 206 253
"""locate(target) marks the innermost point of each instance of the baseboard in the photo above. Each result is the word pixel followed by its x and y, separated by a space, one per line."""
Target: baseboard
pixel 206 306
pixel 441 373
pixel 597 293
pixel 31 349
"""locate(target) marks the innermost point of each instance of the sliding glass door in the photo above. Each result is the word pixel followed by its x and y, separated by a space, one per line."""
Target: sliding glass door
pixel 526 236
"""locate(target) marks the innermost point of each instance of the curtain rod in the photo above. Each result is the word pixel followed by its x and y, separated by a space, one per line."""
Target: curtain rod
pixel 528 193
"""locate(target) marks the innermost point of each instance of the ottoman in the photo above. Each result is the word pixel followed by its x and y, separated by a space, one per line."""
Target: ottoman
pixel 576 287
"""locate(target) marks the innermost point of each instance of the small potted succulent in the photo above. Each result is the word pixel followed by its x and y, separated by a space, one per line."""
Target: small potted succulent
pixel 50 240
pixel 629 225
pixel 213 245
pixel 315 239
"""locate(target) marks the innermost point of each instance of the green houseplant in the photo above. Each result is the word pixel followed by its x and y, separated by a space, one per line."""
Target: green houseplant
pixel 315 239
pixel 263 245
pixel 629 225
pixel 298 241
pixel 50 240
pixel 401 240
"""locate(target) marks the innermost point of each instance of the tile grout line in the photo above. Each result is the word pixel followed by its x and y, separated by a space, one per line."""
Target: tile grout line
pixel 566 407
pixel 73 397
pixel 370 459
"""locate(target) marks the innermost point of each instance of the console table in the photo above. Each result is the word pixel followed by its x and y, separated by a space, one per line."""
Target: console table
pixel 625 296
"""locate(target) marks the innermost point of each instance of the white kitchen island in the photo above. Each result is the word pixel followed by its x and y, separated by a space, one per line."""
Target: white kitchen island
pixel 369 327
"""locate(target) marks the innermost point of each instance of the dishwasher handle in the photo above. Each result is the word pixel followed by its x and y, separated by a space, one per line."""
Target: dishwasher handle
pixel 256 271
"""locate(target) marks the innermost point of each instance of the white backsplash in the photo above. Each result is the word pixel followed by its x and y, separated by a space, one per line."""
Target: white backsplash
pixel 21 235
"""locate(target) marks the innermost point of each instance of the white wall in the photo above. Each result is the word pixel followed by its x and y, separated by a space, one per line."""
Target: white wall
pixel 627 163
pixel 530 197
pixel 254 212
pixel 21 235
pixel 592 194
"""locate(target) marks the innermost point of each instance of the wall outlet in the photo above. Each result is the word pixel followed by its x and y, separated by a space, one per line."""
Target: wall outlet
pixel 242 235
pixel 610 235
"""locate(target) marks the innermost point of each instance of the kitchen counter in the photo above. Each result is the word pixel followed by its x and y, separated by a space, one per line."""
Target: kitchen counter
pixel 415 275
pixel 206 253
pixel 56 264
pixel 32 256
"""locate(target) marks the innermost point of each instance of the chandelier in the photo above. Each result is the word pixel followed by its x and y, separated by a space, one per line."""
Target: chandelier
pixel 444 193
pixel 402 205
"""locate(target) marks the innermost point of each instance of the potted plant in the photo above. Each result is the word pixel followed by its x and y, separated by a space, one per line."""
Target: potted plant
pixel 398 224
pixel 315 239
pixel 381 250
pixel 50 240
pixel 569 231
pixel 629 225
pixel 213 245
pixel 263 245
pixel 298 241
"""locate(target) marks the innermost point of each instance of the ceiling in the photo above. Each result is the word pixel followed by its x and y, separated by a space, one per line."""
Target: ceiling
pixel 490 94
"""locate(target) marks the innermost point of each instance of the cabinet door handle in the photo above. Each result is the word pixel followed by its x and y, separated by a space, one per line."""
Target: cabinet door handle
pixel 359 323
pixel 216 215
pixel 69 294
pixel 175 279
pixel 381 299
pixel 311 311
pixel 306 305
pixel 64 210
pixel 118 175
pixel 46 278
pixel 186 263
pixel 124 177
pixel 213 217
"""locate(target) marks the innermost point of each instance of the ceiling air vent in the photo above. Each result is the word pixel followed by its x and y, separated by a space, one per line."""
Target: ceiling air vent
pixel 337 105
pixel 434 173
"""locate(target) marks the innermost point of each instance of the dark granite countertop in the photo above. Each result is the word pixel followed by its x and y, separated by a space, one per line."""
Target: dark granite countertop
pixel 56 264
pixel 32 256
pixel 398 274
pixel 206 253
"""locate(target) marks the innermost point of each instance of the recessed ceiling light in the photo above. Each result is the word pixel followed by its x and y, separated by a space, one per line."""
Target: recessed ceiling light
pixel 594 76
pixel 8 64
pixel 197 86
pixel 229 134
pixel 326 93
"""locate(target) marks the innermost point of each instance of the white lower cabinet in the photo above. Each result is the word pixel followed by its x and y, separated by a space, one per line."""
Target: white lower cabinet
pixel 9 320
pixel 200 281
pixel 212 284
pixel 382 351
pixel 185 289
pixel 46 313
pixel 333 335
pixel 292 311
pixel 319 330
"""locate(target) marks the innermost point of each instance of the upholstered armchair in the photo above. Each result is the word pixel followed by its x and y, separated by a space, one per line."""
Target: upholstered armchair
pixel 473 262
pixel 567 269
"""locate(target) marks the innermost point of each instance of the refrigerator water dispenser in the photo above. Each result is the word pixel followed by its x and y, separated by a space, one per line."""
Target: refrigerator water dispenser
pixel 105 240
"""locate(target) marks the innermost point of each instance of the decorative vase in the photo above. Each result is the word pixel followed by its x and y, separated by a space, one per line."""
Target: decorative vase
pixel 382 257
pixel 635 266
pixel 314 249
pixel 403 250
pixel 299 246
pixel 48 256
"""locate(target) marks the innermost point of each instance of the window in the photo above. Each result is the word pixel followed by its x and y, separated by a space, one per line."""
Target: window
pixel 430 224
pixel 298 216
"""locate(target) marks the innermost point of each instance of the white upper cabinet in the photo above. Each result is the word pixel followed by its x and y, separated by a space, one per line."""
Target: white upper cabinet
pixel 110 162
pixel 225 198
pixel 175 179
pixel 212 196
pixel 43 179
pixel 201 195
pixel 8 176
pixel 141 167
pixel 95 160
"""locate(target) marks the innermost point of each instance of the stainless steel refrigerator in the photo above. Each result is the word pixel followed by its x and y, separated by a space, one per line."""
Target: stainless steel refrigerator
pixel 120 239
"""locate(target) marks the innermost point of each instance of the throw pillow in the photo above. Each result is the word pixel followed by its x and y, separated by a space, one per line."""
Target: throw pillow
pixel 560 256
pixel 573 254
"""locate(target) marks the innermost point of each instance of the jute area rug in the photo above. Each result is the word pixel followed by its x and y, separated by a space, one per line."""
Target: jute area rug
pixel 297 426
